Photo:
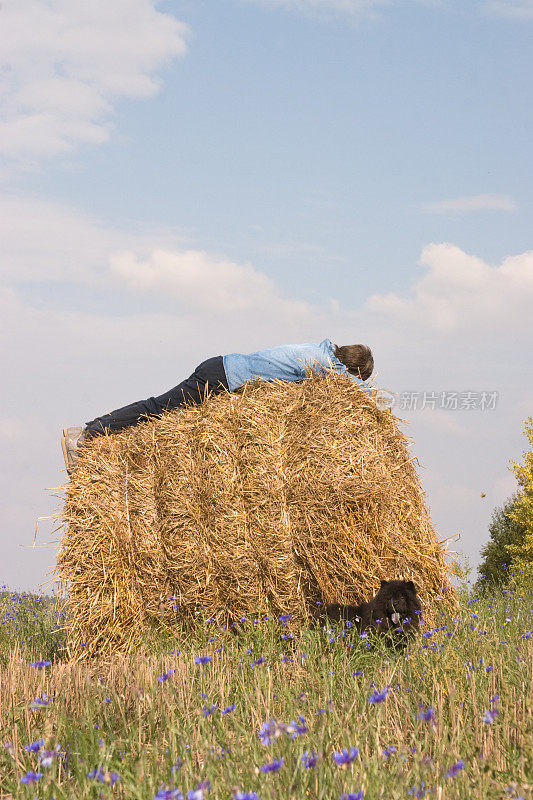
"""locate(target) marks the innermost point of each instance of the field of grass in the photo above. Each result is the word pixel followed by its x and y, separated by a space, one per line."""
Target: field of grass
pixel 271 713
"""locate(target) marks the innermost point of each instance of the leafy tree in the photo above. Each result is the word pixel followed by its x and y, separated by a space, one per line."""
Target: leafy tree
pixel 521 551
pixel 505 532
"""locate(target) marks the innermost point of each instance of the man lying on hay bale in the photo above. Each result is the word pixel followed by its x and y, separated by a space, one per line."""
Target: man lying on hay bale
pixel 288 362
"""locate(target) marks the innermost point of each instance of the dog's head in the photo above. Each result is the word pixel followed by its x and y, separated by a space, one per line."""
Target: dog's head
pixel 398 601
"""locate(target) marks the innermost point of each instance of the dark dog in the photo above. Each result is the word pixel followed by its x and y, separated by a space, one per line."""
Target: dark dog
pixel 395 609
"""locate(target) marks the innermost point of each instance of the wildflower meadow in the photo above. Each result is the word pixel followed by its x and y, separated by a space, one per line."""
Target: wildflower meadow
pixel 271 712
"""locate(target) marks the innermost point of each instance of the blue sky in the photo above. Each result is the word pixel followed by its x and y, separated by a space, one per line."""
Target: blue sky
pixel 180 179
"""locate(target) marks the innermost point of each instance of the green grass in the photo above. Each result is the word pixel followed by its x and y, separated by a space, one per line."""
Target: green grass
pixel 118 716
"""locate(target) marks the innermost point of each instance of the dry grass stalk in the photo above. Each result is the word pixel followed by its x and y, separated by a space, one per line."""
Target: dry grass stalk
pixel 269 500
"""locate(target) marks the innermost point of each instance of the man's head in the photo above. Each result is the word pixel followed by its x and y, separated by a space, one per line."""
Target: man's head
pixel 358 358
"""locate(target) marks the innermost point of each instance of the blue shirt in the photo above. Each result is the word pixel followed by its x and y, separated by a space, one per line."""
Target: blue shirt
pixel 286 362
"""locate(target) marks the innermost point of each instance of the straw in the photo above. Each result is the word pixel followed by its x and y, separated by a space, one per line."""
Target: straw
pixel 267 501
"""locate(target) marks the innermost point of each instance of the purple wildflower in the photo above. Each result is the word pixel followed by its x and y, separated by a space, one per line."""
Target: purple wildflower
pixel 490 716
pixel 272 766
pixel 285 617
pixel 47 756
pixel 202 659
pixel 103 777
pixel 260 660
pixel 207 710
pixel 270 731
pixel 228 709
pixel 31 777
pixel 42 701
pixel 34 747
pixel 165 676
pixel 41 664
pixel 297 730
pixel 420 792
pixel 378 697
pixel 199 792
pixel 345 757
pixel 168 794
pixel 455 769
pixel 176 765
pixel 353 796
pixel 245 796
pixel 309 759
pixel 426 716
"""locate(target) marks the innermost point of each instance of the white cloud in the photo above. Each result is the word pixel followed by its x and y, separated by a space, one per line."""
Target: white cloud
pixel 63 63
pixel 202 281
pixel 515 9
pixel 45 242
pixel 460 292
pixel 478 202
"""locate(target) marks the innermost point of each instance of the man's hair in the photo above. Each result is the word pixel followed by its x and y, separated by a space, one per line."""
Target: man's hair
pixel 358 358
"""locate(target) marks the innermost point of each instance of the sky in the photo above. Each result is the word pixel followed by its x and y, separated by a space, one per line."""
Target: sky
pixel 191 178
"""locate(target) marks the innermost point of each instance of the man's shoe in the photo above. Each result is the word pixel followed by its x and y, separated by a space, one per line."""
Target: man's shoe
pixel 70 442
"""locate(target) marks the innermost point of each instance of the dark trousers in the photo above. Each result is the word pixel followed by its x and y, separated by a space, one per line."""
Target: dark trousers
pixel 208 377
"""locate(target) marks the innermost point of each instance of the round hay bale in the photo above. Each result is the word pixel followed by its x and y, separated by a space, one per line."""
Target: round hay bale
pixel 270 500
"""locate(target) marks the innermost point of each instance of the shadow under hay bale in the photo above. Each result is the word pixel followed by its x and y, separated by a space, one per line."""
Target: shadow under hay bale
pixel 266 501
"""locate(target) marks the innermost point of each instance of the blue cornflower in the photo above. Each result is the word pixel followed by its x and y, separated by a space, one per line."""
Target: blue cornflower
pixel 309 759
pixel 103 777
pixel 260 660
pixel 388 751
pixel 228 709
pixel 198 793
pixel 44 700
pixel 165 676
pixel 285 617
pixel 455 769
pixel 41 664
pixel 47 756
pixel 420 792
pixel 490 716
pixel 426 716
pixel 34 747
pixel 176 765
pixel 270 731
pixel 245 796
pixel 272 766
pixel 345 757
pixel 378 697
pixel 297 730
pixel 168 794
pixel 287 636
pixel 31 777
pixel 357 796
pixel 202 659
pixel 207 710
